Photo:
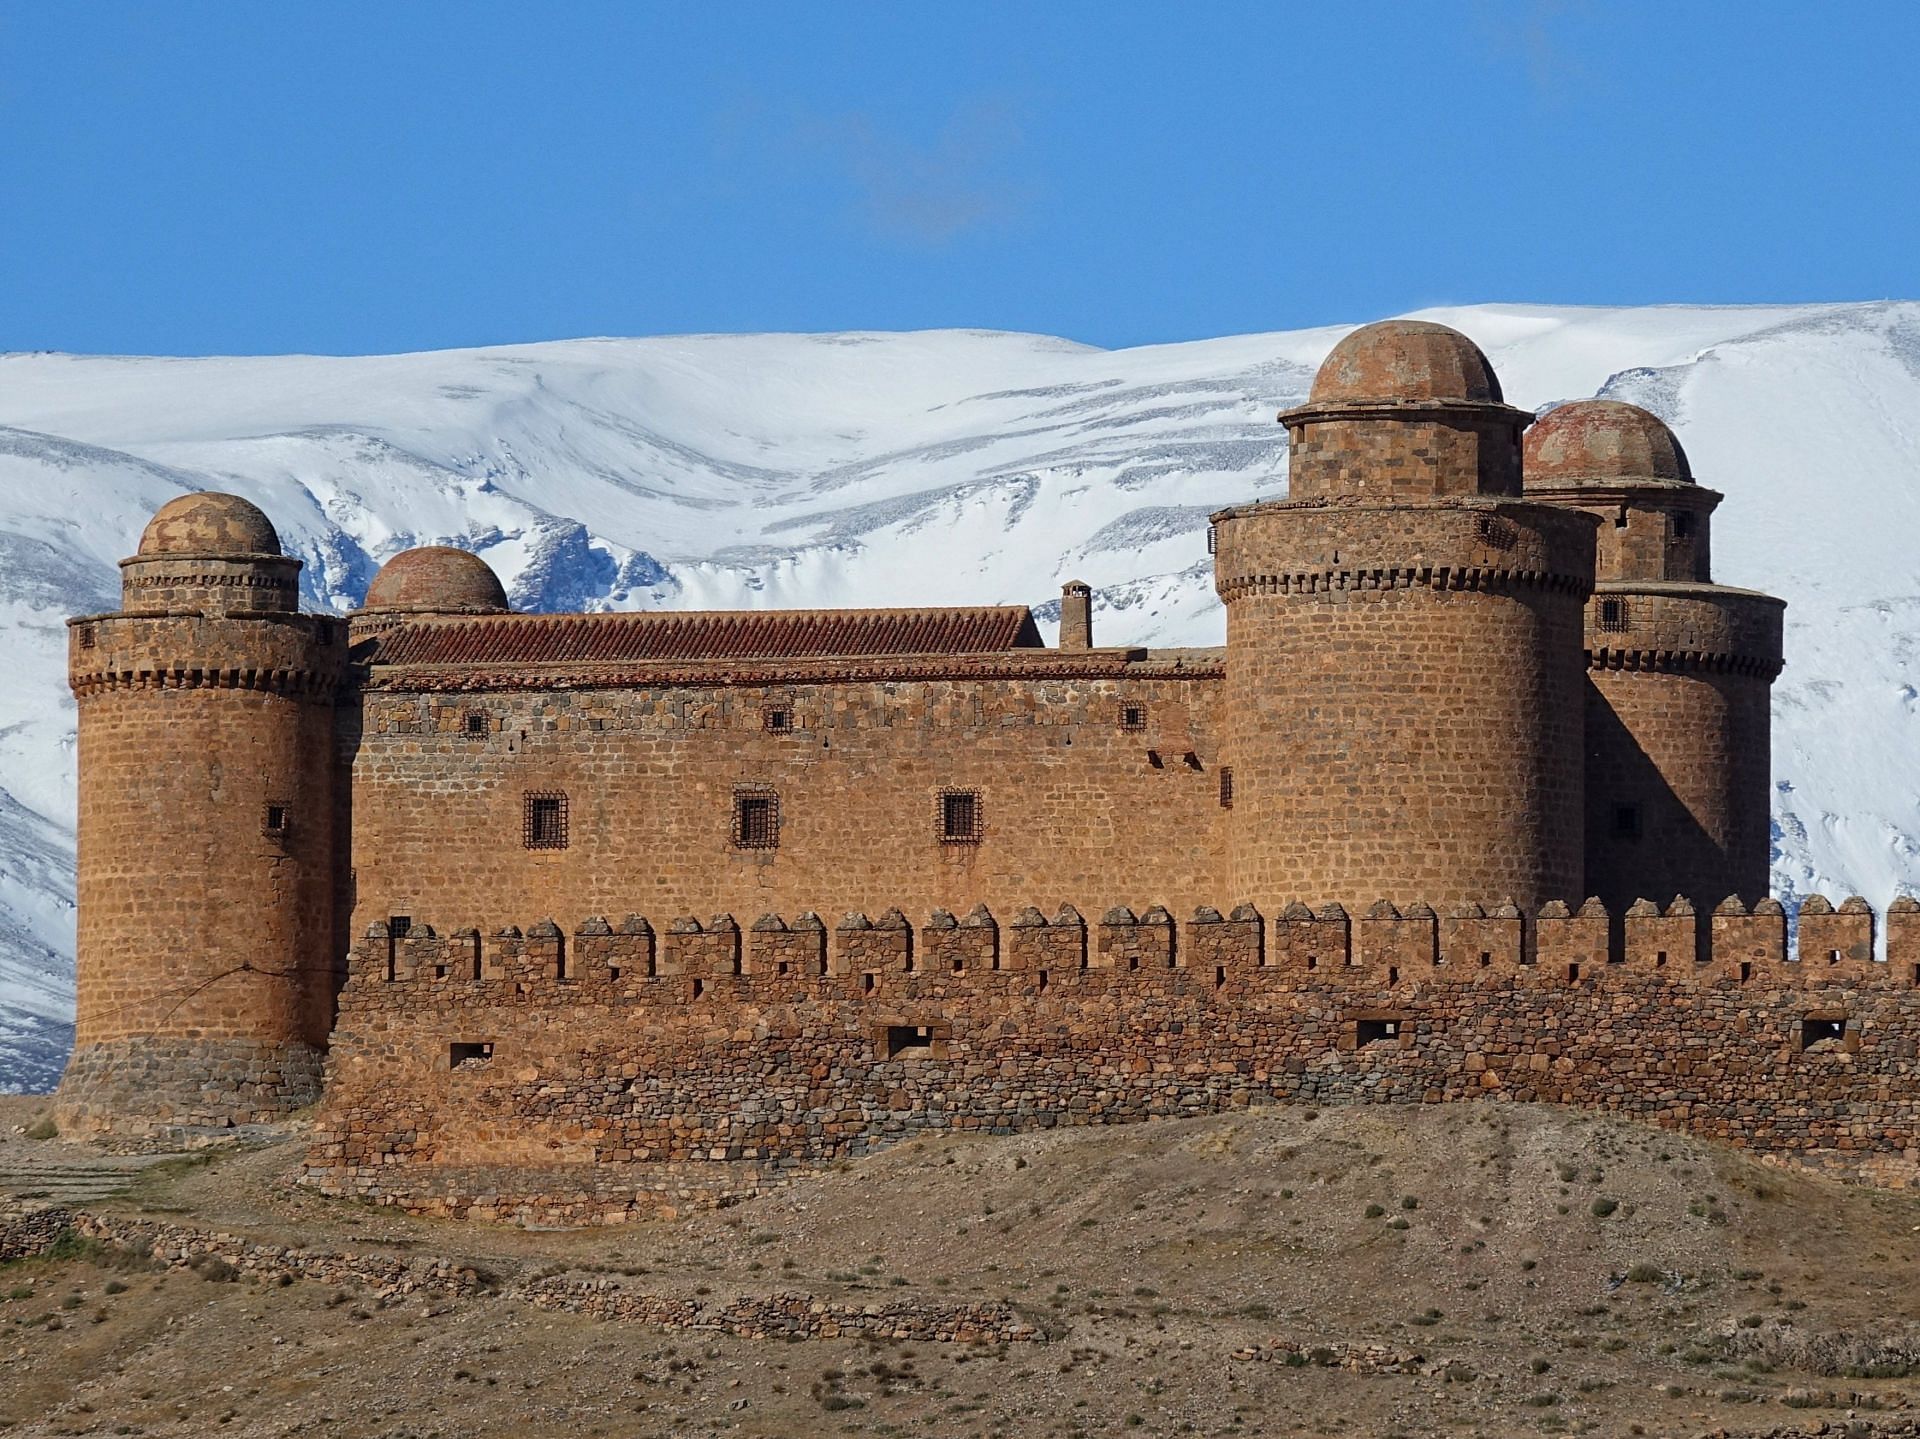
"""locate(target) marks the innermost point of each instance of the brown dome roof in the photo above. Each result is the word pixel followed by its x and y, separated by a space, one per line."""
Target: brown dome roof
pixel 1405 360
pixel 1602 442
pixel 436 579
pixel 209 523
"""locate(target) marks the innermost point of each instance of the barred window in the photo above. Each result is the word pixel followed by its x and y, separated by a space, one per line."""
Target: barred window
pixel 779 721
pixel 1226 786
pixel 1495 532
pixel 274 823
pixel 1133 717
pixel 545 822
pixel 1613 614
pixel 756 819
pixel 476 725
pixel 960 817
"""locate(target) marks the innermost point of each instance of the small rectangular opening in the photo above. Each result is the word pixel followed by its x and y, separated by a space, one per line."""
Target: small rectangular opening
pixel 1374 1031
pixel 1746 971
pixel 545 821
pixel 960 821
pixel 1916 976
pixel 1043 980
pixel 1620 518
pixel 1393 974
pixel 1313 961
pixel 699 988
pixel 1830 1032
pixel 1833 956
pixel 959 964
pixel 398 925
pixel 756 820
pixel 476 725
pixel 1226 786
pixel 909 1041
pixel 781 968
pixel 1219 976
pixel 1626 821
pixel 86 637
pixel 866 983
pixel 779 721
pixel 1613 614
pixel 1133 717
pixel 439 971
pixel 1660 960
pixel 275 821
pixel 1573 973
pixel 1486 959
pixel 1683 526
pixel 469 1053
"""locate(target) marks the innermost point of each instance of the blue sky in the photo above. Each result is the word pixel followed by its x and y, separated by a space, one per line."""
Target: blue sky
pixel 201 178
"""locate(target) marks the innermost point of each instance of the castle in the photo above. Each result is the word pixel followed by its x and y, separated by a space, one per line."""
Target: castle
pixel 1480 703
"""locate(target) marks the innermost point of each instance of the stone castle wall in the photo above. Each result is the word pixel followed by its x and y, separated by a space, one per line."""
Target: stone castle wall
pixel 623 1069
pixel 1080 785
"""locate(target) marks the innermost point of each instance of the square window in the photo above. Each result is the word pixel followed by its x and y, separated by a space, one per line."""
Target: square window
pixel 275 822
pixel 1829 1032
pixel 960 816
pixel 1375 1031
pixel 1626 821
pixel 756 819
pixel 86 637
pixel 545 821
pixel 1133 717
pixel 1613 614
pixel 779 721
pixel 398 925
pixel 476 726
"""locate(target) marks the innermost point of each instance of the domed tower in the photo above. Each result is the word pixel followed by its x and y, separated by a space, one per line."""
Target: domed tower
pixel 434 580
pixel 1403 689
pixel 1679 669
pixel 207 868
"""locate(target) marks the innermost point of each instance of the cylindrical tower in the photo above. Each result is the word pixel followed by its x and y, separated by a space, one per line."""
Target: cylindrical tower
pixel 207 863
pixel 1403 692
pixel 1679 669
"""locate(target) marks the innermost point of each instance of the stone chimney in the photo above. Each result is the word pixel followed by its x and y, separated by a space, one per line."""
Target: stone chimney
pixel 1076 615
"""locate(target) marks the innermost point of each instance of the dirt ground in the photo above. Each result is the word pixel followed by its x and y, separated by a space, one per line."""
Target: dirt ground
pixel 1449 1270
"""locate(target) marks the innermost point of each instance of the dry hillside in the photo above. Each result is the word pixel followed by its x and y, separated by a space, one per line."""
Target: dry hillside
pixel 1460 1270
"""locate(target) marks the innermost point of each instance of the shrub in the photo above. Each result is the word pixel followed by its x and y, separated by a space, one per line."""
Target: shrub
pixel 1602 1207
pixel 1374 1211
pixel 43 1128
pixel 1645 1274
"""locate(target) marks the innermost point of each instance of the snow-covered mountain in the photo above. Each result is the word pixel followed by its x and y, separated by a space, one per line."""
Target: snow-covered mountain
pixel 932 468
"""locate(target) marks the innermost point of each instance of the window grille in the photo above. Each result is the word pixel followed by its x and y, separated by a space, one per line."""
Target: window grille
pixel 1133 717
pixel 756 819
pixel 545 821
pixel 779 721
pixel 960 817
pixel 476 725
pixel 1226 786
pixel 1613 615
pixel 1495 532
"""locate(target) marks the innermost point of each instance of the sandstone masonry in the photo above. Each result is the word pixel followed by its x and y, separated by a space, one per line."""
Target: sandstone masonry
pixel 1481 704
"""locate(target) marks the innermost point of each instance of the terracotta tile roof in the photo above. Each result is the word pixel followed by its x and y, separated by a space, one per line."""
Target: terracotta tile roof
pixel 707 635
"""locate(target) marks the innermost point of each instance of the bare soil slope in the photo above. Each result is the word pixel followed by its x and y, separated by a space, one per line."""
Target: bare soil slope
pixel 1460 1270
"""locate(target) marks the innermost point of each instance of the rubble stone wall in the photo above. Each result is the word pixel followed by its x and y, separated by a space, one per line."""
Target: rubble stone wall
pixel 621 1070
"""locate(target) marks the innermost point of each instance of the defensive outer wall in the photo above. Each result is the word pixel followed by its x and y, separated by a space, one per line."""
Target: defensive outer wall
pixel 622 1070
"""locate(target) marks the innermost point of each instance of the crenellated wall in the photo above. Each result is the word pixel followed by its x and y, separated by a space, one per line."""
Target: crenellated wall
pixel 592 1076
